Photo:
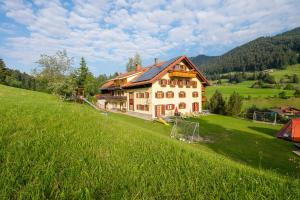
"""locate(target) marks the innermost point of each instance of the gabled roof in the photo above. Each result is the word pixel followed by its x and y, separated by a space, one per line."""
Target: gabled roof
pixel 150 74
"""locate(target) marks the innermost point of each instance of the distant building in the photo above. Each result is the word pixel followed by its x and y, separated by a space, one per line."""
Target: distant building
pixel 161 89
pixel 287 111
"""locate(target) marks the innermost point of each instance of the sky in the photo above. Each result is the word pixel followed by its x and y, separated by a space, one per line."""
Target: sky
pixel 106 33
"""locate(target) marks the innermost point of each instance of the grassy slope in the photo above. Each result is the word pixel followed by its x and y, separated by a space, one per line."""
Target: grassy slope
pixel 259 95
pixel 245 90
pixel 293 69
pixel 62 150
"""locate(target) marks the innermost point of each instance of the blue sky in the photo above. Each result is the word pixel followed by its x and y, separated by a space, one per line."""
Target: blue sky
pixel 106 33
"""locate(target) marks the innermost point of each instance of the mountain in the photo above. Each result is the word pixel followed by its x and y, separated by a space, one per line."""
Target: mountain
pixel 259 54
pixel 200 59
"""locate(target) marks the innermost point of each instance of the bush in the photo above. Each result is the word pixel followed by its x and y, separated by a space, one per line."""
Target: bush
pixel 289 87
pixel 217 103
pixel 234 104
pixel 297 92
pixel 282 95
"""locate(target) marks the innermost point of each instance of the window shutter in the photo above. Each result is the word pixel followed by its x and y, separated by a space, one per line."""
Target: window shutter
pixel 155 94
pixel 162 96
pixel 146 94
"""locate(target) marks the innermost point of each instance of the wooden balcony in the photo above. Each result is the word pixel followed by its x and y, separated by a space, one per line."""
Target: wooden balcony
pixel 182 74
pixel 204 99
pixel 110 97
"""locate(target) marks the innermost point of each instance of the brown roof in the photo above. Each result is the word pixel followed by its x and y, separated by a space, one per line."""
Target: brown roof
pixel 133 82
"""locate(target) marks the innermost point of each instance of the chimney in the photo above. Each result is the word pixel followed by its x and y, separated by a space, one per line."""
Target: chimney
pixel 138 67
pixel 156 60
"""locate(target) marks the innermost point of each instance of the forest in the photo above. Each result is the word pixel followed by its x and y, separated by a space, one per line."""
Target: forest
pixel 262 53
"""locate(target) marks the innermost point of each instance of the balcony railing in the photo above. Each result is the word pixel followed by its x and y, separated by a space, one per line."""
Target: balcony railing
pixel 182 74
pixel 112 97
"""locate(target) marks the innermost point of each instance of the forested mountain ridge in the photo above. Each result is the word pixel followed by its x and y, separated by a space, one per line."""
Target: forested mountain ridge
pixel 259 54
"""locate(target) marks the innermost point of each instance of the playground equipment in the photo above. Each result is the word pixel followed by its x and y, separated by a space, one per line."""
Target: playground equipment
pixel 269 117
pixel 291 130
pixel 92 105
pixel 161 120
pixel 185 130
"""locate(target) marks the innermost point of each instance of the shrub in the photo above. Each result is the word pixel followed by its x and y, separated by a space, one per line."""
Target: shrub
pixel 217 103
pixel 282 95
pixel 297 92
pixel 234 104
pixel 289 87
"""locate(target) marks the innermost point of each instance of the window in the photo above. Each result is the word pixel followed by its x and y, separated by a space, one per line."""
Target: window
pixel 180 83
pixel 163 82
pixel 169 94
pixel 146 94
pixel 188 83
pixel 142 107
pixel 159 95
pixel 172 83
pixel 181 94
pixel 140 95
pixel 170 107
pixel 194 84
pixel 181 105
pixel 195 94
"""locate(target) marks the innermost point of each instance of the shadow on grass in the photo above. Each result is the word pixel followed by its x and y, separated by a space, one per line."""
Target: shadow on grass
pixel 267 131
pixel 252 149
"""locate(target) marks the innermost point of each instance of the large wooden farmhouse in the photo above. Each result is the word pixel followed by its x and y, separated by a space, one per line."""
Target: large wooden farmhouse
pixel 161 89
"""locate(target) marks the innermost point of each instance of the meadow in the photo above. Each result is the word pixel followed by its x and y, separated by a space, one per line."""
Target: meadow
pixel 261 97
pixel 53 149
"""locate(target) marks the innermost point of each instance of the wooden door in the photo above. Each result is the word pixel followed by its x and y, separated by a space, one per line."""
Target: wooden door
pixel 195 107
pixel 131 101
pixel 159 110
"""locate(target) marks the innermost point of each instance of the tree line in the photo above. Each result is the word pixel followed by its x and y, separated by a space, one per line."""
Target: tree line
pixel 55 74
pixel 260 54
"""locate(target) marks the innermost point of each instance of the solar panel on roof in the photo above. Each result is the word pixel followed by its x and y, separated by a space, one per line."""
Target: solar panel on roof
pixel 153 71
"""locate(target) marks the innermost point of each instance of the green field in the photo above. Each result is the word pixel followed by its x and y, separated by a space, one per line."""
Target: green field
pixel 57 150
pixel 290 70
pixel 245 90
pixel 261 97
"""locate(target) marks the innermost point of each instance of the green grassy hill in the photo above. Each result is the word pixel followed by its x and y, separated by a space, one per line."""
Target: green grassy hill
pixel 261 97
pixel 57 150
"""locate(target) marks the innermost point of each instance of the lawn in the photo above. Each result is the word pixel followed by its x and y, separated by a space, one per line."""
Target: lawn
pixel 271 102
pixel 245 90
pixel 290 70
pixel 57 150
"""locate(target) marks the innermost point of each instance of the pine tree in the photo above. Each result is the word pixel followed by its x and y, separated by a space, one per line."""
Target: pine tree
pixel 234 104
pixel 82 73
pixel 130 65
pixel 2 71
pixel 217 103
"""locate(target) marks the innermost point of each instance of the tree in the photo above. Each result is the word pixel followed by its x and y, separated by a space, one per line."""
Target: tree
pixel 295 78
pixel 133 62
pixel 55 73
pixel 289 87
pixel 234 104
pixel 82 73
pixel 3 70
pixel 297 92
pixel 130 65
pixel 217 103
pixel 282 95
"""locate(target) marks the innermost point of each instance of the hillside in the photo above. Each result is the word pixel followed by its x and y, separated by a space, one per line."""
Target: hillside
pixel 259 54
pixel 52 149
pixel 261 97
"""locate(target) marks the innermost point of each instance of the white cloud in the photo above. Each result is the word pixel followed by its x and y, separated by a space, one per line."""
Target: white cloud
pixel 113 31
